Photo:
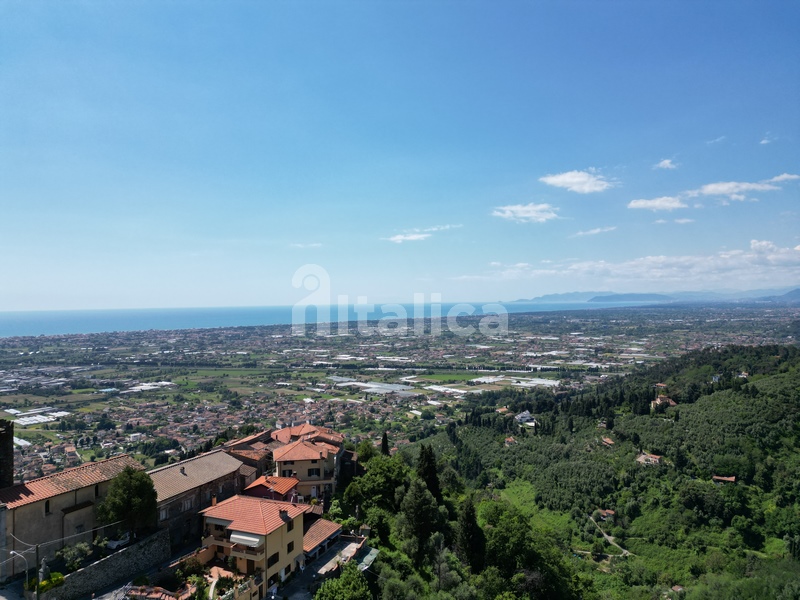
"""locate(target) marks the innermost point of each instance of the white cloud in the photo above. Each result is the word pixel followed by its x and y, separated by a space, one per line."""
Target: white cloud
pixel 311 245
pixel 783 177
pixel 663 203
pixel 594 231
pixel 583 182
pixel 660 221
pixel 526 213
pixel 762 263
pixel 733 189
pixel 408 237
pixel 665 164
pixel 439 228
pixel 716 141
pixel 418 234
pixel 684 221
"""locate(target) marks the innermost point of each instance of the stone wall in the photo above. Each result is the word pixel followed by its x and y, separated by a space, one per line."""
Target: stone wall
pixel 120 567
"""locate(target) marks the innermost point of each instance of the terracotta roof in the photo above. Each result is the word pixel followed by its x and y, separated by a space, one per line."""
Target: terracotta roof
pixel 286 434
pixel 250 454
pixel 319 531
pixel 178 478
pixel 731 479
pixel 308 432
pixel 67 480
pixel 301 450
pixel 247 441
pixel 279 485
pixel 254 515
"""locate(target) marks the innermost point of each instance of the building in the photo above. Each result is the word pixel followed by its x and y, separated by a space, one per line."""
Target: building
pixel 309 433
pixel 188 486
pixel 254 451
pixel 50 511
pixel 264 536
pixel 274 488
pixel 648 459
pixel 314 464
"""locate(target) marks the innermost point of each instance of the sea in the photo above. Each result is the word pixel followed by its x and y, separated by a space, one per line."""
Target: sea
pixel 61 322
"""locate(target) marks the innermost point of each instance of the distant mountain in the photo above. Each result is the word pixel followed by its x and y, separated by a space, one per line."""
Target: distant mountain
pixel 792 297
pixel 563 298
pixel 633 298
pixel 780 295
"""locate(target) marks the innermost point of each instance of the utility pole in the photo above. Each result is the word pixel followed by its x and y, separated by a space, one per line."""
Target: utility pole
pixel 37 573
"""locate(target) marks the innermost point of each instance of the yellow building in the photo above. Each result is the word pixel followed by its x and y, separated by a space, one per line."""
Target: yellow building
pixel 264 536
pixel 314 464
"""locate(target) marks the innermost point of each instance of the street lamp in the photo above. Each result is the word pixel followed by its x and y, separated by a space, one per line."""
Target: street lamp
pixel 15 553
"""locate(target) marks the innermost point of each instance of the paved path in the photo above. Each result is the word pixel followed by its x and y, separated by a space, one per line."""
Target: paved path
pixel 610 538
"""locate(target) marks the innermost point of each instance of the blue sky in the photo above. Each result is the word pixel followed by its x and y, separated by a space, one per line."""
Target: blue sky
pixel 168 154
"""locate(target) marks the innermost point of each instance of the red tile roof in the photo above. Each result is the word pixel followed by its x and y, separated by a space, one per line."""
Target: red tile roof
pixel 308 432
pixel 67 480
pixel 257 516
pixel 319 531
pixel 279 485
pixel 302 450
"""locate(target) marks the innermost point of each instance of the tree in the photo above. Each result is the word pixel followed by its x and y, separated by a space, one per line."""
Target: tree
pixel 385 444
pixel 366 451
pixel 426 470
pixel 350 585
pixel 74 555
pixel 470 540
pixel 131 499
pixel 419 518
pixel 377 486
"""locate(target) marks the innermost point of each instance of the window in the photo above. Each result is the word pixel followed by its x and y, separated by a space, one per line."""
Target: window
pixel 79 529
pixel 286 473
pixel 289 525
pixel 163 514
pixel 187 504
pixel 47 507
pixel 97 491
pixel 273 559
pixel 289 548
pixel 313 462
pixel 288 462
pixel 313 472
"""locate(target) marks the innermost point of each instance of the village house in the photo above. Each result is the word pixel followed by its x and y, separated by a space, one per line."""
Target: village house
pixel 720 480
pixel 314 465
pixel 47 510
pixel 265 537
pixel 273 488
pixel 254 451
pixel 648 459
pixel 185 487
pixel 662 401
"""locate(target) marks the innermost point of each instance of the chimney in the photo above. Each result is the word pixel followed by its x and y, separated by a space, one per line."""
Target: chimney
pixel 213 499
pixel 284 515
pixel 183 470
pixel 320 453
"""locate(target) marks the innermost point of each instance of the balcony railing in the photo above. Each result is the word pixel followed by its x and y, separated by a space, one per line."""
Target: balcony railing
pixel 254 554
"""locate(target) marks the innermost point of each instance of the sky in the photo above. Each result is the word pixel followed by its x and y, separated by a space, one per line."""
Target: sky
pixel 191 154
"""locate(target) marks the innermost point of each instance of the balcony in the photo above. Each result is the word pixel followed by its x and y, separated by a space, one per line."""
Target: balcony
pixel 219 541
pixel 254 554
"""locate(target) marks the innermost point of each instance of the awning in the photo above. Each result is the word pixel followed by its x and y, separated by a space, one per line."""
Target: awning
pixel 246 540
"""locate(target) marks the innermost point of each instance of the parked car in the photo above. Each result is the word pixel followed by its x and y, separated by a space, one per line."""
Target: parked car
pixel 119 543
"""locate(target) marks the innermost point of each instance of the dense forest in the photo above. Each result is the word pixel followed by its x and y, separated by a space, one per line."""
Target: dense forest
pixel 680 480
